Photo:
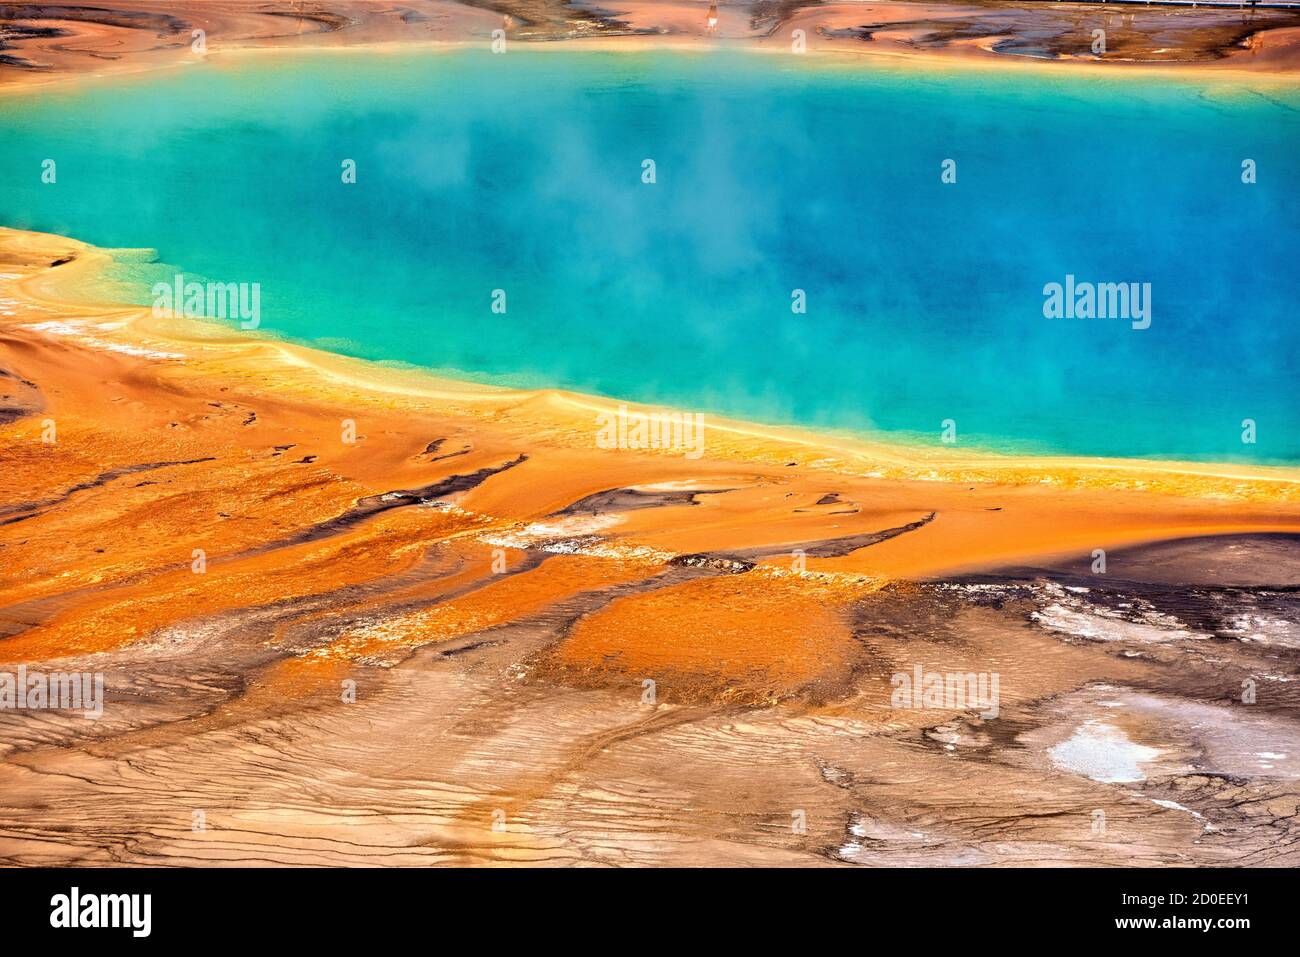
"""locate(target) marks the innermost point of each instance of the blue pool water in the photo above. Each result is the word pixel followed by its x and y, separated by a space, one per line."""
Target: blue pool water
pixel 523 172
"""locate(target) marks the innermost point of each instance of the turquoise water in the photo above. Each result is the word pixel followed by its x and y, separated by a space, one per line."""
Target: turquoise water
pixel 523 172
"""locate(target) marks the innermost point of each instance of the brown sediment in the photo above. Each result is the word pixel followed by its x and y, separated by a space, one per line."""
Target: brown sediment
pixel 495 613
pixel 631 499
pixel 19 397
pixel 21 511
pixel 43 42
pixel 1052 31
pixel 843 545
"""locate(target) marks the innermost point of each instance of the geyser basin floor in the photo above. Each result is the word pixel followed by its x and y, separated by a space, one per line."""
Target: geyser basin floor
pixel 348 614
pixel 500 712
